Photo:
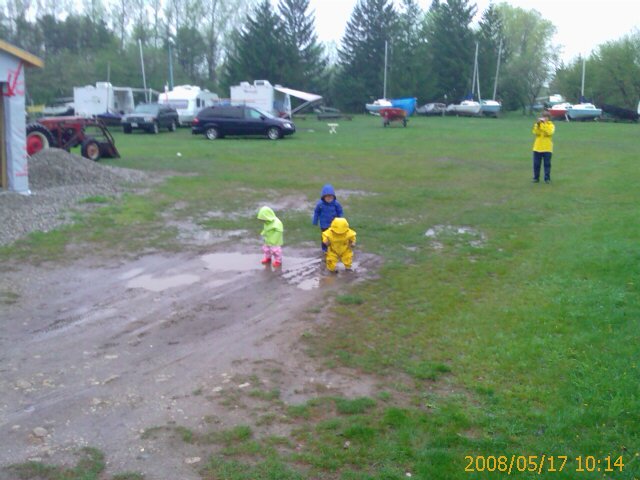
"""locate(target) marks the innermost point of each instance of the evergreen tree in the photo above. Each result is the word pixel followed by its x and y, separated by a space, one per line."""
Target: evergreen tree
pixel 452 47
pixel 408 72
pixel 258 51
pixel 308 62
pixel 361 56
pixel 490 35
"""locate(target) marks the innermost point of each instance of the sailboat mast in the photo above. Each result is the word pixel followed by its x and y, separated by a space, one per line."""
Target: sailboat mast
pixel 384 87
pixel 475 72
pixel 584 63
pixel 144 78
pixel 478 81
pixel 495 83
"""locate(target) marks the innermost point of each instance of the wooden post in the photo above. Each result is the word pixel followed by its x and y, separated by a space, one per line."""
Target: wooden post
pixel 3 149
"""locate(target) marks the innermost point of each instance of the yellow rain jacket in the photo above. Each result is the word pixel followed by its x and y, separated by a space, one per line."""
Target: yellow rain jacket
pixel 543 132
pixel 339 238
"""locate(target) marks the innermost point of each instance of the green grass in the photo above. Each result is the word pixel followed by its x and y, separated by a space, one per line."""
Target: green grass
pixel 517 336
pixel 90 466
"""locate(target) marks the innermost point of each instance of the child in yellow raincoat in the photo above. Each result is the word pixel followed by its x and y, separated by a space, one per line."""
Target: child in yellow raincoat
pixel 339 239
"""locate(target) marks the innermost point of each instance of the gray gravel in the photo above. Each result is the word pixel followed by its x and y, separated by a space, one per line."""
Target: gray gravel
pixel 58 181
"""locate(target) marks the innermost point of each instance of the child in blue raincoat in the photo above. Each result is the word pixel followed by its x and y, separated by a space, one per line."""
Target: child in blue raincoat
pixel 326 210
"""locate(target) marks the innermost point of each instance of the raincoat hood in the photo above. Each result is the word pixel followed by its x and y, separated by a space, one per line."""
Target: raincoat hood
pixel 340 226
pixel 327 190
pixel 266 214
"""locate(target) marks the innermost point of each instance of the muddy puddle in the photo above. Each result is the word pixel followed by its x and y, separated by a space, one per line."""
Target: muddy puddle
pixel 95 352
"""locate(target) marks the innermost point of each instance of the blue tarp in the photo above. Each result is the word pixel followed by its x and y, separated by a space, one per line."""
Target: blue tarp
pixel 408 104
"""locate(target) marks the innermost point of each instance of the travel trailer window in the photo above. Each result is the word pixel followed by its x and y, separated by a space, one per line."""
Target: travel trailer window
pixel 179 104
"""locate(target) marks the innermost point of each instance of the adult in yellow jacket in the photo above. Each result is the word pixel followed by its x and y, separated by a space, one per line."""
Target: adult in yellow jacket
pixel 339 239
pixel 543 129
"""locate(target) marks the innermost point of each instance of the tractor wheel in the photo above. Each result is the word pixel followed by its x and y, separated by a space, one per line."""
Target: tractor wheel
pixel 39 138
pixel 90 149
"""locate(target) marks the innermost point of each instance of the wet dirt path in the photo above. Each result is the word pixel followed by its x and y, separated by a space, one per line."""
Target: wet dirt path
pixel 94 353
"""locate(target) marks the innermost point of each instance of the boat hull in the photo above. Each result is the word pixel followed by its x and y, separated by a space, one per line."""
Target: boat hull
pixel 468 108
pixel 374 108
pixel 583 112
pixel 490 107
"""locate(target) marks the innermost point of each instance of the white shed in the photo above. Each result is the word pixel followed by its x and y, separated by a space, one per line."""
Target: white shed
pixel 14 171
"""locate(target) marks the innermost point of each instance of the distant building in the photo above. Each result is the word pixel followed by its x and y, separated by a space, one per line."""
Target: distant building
pixel 14 170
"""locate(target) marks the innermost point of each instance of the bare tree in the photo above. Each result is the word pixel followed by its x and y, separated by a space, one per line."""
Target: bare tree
pixel 220 17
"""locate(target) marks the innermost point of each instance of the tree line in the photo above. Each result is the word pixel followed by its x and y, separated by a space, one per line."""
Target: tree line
pixel 215 44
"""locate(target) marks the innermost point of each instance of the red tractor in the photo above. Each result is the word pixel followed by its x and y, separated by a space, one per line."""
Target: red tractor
pixel 67 132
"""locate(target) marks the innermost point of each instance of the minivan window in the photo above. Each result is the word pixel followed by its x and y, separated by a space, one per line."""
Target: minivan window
pixel 263 113
pixel 252 113
pixel 226 112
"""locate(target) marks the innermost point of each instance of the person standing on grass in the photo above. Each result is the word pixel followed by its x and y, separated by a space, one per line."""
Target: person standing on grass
pixel 326 210
pixel 272 235
pixel 543 129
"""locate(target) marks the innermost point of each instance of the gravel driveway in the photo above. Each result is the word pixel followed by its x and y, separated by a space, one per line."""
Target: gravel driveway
pixel 58 180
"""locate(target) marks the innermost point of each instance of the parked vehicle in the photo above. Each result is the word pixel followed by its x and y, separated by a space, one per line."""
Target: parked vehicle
pixel 151 117
pixel 375 107
pixel 90 101
pixel 583 111
pixel 559 110
pixel 273 99
pixel 188 100
pixel 620 113
pixel 465 108
pixel 431 109
pixel 393 114
pixel 219 121
pixel 469 107
pixel 91 135
pixel 62 106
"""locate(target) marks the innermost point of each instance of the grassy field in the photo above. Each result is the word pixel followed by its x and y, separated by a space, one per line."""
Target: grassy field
pixel 517 335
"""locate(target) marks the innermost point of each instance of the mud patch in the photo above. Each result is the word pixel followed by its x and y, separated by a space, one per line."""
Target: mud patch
pixel 191 233
pixel 99 351
pixel 470 236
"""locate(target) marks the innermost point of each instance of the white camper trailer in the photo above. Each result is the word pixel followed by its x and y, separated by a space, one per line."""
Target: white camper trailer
pixel 274 99
pixel 263 95
pixel 188 100
pixel 104 98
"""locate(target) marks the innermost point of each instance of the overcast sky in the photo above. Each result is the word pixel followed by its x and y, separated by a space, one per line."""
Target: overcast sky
pixel 581 24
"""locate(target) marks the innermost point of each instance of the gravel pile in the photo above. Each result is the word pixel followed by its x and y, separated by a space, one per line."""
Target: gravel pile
pixel 58 180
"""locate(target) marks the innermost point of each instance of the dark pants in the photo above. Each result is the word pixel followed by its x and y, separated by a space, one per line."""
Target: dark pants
pixel 538 157
pixel 324 247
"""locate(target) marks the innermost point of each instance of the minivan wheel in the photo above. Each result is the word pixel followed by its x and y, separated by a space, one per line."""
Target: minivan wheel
pixel 273 133
pixel 212 133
